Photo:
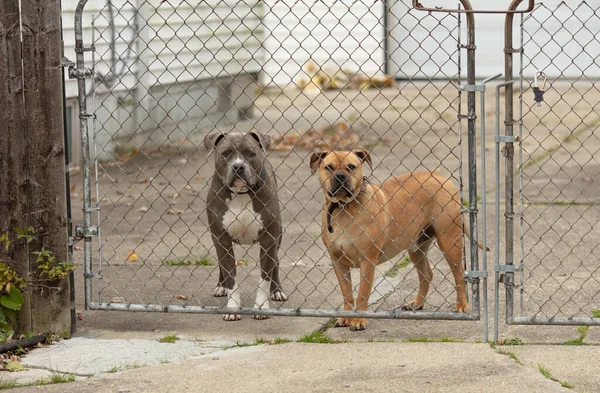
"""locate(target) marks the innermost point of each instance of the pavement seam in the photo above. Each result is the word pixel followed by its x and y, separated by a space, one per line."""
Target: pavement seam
pixel 54 370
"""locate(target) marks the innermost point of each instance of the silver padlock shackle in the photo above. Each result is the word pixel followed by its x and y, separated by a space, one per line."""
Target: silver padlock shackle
pixel 539 73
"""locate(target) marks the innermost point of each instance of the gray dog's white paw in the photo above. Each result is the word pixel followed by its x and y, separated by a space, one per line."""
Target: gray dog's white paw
pixel 231 317
pixel 278 296
pixel 220 291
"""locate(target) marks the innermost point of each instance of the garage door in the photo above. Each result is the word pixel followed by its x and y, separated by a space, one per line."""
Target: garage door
pixel 425 47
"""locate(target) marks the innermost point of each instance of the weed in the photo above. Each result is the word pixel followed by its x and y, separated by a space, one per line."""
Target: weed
pixel 279 340
pixel 447 339
pixel 112 370
pixel 422 339
pixel 197 262
pixel 512 341
pixel 546 373
pixel 171 338
pixel 596 313
pixel 58 377
pixel 49 267
pixel 583 330
pixel 317 337
pixel 393 272
pixel 511 355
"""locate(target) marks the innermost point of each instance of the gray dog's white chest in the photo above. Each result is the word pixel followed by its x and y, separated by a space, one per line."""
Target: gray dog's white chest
pixel 241 221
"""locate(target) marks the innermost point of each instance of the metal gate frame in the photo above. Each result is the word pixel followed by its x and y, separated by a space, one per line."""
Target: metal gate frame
pixel 88 231
pixel 503 273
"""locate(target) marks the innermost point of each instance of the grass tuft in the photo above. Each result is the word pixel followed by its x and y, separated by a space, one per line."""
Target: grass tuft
pixel 546 373
pixel 317 337
pixel 171 338
pixel 583 330
pixel 512 341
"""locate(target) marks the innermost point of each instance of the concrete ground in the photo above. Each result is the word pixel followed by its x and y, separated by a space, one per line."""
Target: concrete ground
pixel 153 205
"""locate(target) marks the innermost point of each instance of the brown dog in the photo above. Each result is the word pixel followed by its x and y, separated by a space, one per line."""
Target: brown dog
pixel 366 224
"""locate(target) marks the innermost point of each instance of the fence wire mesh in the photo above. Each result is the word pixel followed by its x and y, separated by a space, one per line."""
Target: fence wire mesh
pixel 311 76
pixel 560 171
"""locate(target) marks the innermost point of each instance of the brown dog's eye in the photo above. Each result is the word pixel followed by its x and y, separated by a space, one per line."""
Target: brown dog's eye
pixel 330 168
pixel 351 167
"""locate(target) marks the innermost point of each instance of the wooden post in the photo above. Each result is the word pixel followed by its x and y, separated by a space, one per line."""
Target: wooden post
pixel 42 161
pixel 13 175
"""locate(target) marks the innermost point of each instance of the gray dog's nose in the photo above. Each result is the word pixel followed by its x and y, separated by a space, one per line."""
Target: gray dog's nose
pixel 237 168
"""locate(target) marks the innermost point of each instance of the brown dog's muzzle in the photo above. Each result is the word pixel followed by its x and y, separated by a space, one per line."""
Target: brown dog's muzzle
pixel 340 186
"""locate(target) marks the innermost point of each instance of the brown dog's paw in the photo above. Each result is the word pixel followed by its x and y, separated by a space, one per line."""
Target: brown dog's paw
pixel 358 324
pixel 220 291
pixel 342 322
pixel 412 306
pixel 278 296
pixel 260 317
pixel 231 317
pixel 462 307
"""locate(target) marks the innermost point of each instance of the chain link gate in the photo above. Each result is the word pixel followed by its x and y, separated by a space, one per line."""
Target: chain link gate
pixel 555 274
pixel 160 76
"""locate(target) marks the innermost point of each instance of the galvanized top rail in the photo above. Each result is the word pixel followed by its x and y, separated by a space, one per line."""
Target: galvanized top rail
pixel 469 9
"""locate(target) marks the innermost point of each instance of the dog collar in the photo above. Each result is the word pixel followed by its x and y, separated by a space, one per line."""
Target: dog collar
pixel 330 210
pixel 261 180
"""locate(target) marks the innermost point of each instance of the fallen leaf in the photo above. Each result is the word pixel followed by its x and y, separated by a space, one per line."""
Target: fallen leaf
pixel 142 209
pixel 14 367
pixel 241 262
pixel 132 256
pixel 198 178
pixel 77 248
pixel 118 299
pixel 188 187
pixel 73 188
pixel 174 195
pixel 174 212
pixel 143 181
pixel 181 297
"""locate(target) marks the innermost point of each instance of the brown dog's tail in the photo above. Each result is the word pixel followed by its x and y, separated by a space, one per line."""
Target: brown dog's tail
pixel 468 233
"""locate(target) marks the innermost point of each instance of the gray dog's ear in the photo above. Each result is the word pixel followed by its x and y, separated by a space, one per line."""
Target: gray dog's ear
pixel 263 140
pixel 212 140
pixel 364 156
pixel 315 160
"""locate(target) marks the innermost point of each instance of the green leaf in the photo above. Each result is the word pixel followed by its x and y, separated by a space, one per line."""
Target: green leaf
pixel 2 316
pixel 16 295
pixel 10 304
pixel 11 314
pixel 14 367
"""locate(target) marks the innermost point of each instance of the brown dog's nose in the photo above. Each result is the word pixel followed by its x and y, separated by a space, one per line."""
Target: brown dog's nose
pixel 340 176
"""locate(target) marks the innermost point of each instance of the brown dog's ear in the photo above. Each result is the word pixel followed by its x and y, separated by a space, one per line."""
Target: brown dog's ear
pixel 364 156
pixel 315 160
pixel 212 140
pixel 263 140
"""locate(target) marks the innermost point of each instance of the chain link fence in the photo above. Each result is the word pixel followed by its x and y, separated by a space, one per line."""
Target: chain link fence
pixel 559 179
pixel 312 76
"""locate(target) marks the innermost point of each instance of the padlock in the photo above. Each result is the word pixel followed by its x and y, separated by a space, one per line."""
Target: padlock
pixel 538 94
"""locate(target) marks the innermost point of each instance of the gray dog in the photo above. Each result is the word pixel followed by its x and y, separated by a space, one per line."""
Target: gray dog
pixel 243 208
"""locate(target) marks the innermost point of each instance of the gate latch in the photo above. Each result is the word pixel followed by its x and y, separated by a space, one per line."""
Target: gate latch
pixel 538 94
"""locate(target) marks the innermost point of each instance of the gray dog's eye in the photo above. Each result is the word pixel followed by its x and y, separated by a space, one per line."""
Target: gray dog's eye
pixel 226 153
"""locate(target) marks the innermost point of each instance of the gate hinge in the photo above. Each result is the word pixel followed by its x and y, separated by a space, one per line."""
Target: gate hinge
pixel 80 73
pixel 476 274
pixel 92 275
pixel 67 63
pixel 507 268
pixel 82 233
